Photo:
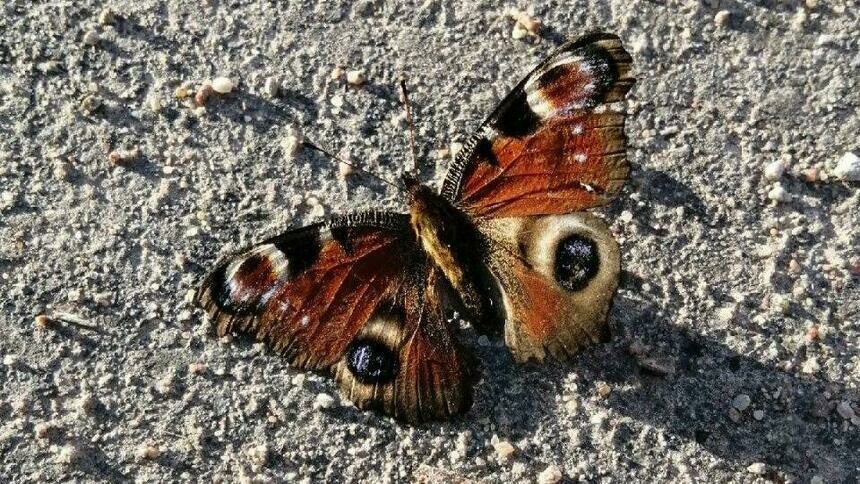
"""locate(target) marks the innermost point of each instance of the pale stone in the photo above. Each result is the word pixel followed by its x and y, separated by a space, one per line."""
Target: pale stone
pixel 222 85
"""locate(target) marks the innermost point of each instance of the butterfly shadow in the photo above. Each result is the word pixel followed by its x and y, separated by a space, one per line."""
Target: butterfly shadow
pixel 684 383
pixel 678 382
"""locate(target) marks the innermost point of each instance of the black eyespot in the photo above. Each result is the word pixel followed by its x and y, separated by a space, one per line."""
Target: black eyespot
pixel 576 262
pixel 515 117
pixel 371 362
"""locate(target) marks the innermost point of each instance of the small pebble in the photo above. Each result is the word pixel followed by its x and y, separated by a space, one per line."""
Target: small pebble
pixel 758 414
pixel 259 455
pixel 812 334
pixel 799 19
pixel 165 385
pixel 68 454
pixel 669 131
pixel 825 39
pixel 196 368
pixel 337 101
pixel 124 157
pixel 155 103
pixel 91 37
pixel 525 24
pixel 107 16
pixel 603 389
pixel 222 85
pixel 43 322
pixel 626 217
pixel 355 77
pixel 656 365
pixel 810 366
pixel 90 103
pixel 7 199
pixel 758 468
pixel 272 87
pixel 721 19
pixel 848 167
pixel 550 475
pixel 726 313
pixel 344 171
pixel 298 380
pixel 734 415
pixel 147 452
pixel 455 148
pixel 504 450
pixel 773 171
pixel 463 441
pixel 75 295
pixel 793 266
pixel 518 32
pixel 183 91
pixel 323 401
pixel 781 303
pixel 60 170
pixel 811 175
pixel 291 143
pixel 816 480
pixel 844 410
pixel 779 194
pixel 43 429
pixel 203 94
pixel 741 402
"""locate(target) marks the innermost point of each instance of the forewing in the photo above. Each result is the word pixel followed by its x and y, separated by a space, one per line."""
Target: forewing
pixel 551 146
pixel 309 291
pixel 557 276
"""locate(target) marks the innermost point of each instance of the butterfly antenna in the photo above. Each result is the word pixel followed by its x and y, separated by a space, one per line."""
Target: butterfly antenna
pixel 407 106
pixel 315 147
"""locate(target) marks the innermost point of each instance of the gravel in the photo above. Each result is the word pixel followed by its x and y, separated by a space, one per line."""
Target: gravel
pixel 125 381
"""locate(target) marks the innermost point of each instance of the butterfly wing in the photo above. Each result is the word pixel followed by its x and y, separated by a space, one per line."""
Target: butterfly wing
pixel 557 275
pixel 354 297
pixel 551 146
pixel 435 374
pixel 550 149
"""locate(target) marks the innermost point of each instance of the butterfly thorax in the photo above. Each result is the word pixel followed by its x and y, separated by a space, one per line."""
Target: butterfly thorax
pixel 437 225
pixel 452 242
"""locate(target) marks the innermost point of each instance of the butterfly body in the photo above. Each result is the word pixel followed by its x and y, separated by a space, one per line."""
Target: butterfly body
pixel 452 242
pixel 507 244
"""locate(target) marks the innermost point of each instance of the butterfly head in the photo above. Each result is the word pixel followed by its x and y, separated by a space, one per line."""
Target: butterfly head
pixel 410 181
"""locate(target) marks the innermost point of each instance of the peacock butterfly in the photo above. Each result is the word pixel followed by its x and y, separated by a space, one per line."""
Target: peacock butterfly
pixel 367 297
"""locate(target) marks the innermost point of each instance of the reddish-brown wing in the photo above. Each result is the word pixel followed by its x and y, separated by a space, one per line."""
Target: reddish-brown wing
pixel 435 374
pixel 551 147
pixel 557 275
pixel 354 296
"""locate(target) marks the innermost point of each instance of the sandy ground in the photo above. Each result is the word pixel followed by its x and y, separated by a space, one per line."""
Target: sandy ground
pixel 735 349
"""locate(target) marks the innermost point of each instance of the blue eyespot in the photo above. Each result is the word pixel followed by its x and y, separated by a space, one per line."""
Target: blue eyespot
pixel 371 362
pixel 576 262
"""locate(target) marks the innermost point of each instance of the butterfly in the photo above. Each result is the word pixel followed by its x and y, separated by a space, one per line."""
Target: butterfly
pixel 368 297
